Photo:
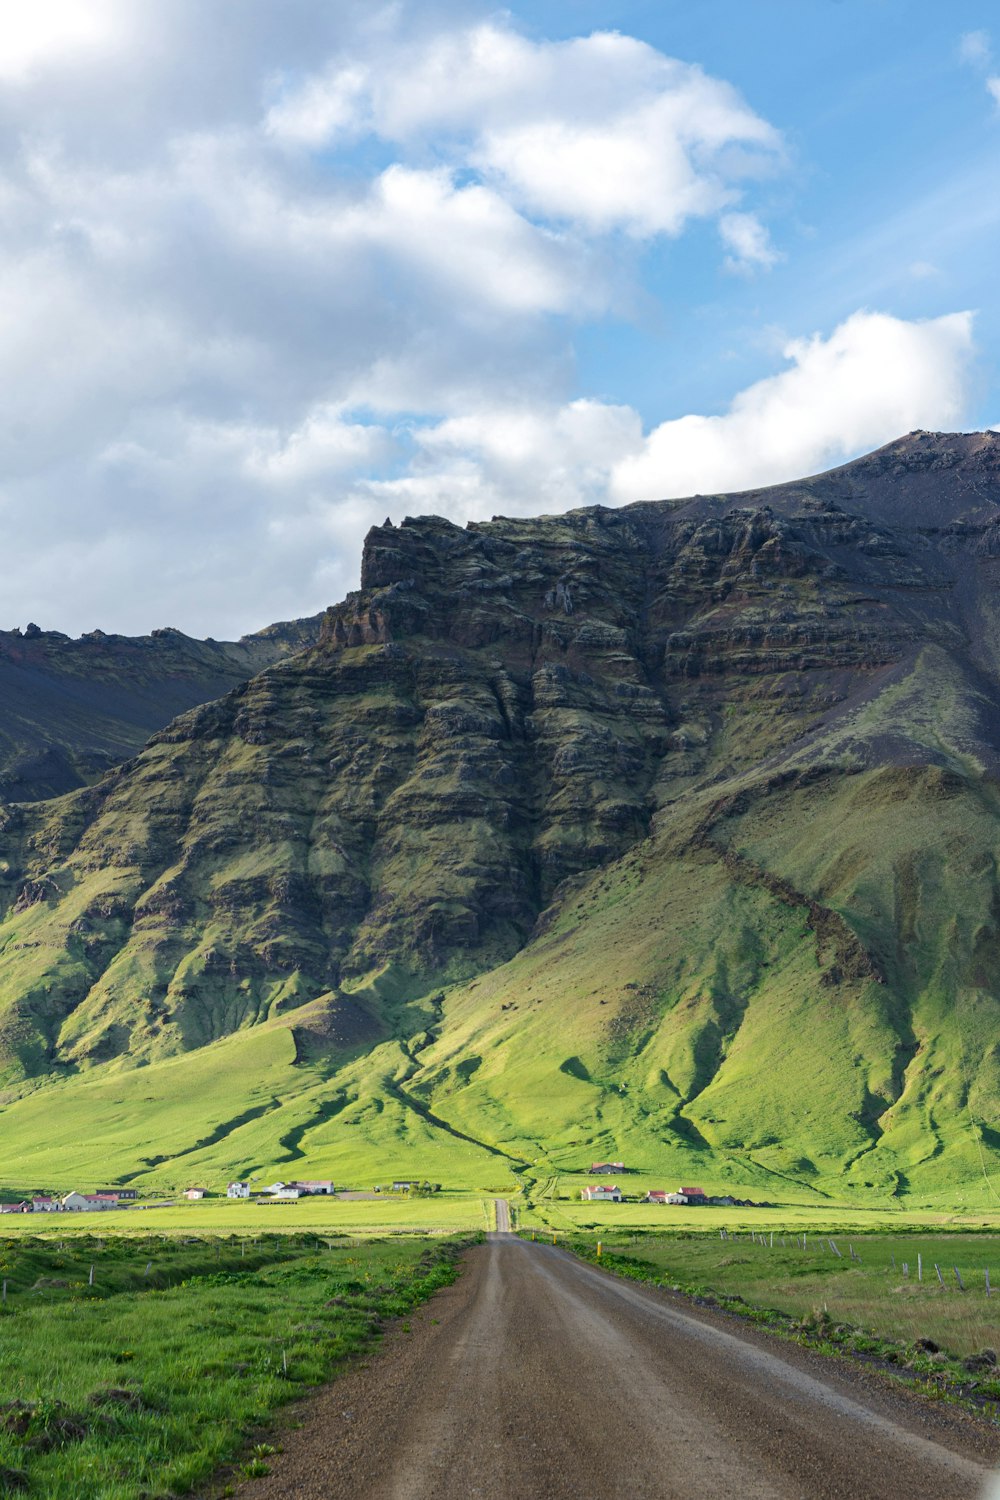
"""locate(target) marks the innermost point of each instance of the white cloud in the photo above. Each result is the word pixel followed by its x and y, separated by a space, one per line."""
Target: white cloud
pixel 874 377
pixel 602 131
pixel 748 242
pixel 50 33
pixel 232 337
pixel 993 84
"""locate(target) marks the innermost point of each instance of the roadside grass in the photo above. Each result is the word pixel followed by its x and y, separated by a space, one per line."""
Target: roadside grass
pixel 871 1295
pixel 114 1393
pixel 389 1213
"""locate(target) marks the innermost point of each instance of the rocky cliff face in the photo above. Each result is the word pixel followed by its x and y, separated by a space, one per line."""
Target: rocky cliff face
pixel 503 710
pixel 71 709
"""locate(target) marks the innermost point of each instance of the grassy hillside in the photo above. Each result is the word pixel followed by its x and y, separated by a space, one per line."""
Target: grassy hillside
pixel 666 835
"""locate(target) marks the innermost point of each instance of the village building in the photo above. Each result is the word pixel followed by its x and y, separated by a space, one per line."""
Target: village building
pixel 44 1205
pixel 606 1192
pixel 193 1193
pixel 403 1187
pixel 315 1189
pixel 15 1208
pixel 88 1202
pixel 124 1195
pixel 238 1190
pixel 285 1191
pixel 605 1168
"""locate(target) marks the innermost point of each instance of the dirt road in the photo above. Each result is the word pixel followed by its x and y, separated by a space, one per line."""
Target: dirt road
pixel 540 1377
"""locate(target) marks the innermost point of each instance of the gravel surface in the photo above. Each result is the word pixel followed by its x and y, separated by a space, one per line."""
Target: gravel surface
pixel 540 1377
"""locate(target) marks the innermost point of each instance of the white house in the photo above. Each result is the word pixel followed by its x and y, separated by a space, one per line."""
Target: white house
pixel 238 1190
pixel 286 1190
pixel 603 1192
pixel 44 1205
pixel 87 1202
pixel 193 1193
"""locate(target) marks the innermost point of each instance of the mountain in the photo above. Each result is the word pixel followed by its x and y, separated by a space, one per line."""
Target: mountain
pixel 667 832
pixel 71 709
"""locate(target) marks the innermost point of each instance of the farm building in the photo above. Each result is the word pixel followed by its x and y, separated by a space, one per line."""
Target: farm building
pixel 238 1190
pixel 605 1168
pixel 194 1193
pixel 88 1202
pixel 605 1192
pixel 44 1205
pixel 314 1189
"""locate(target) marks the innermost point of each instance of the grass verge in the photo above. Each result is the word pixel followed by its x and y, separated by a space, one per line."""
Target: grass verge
pixel 116 1391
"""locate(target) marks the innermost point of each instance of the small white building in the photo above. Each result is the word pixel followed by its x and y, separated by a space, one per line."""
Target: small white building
pixel 286 1191
pixel 45 1205
pixel 238 1190
pixel 194 1193
pixel 87 1202
pixel 602 1192
pixel 313 1189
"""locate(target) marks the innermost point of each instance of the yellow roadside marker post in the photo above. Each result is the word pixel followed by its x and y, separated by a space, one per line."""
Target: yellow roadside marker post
pixel 598 1249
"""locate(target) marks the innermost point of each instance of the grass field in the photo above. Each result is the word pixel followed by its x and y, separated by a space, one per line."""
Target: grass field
pixel 441 1213
pixel 873 1293
pixel 144 1384
pixel 555 1203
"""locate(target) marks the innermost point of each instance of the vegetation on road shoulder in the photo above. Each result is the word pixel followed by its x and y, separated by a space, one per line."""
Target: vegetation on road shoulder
pixel 112 1392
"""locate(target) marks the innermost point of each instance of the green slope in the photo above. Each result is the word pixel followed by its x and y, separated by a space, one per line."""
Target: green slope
pixel 666 835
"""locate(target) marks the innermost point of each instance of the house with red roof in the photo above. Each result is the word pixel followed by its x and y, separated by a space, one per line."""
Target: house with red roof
pixel 604 1192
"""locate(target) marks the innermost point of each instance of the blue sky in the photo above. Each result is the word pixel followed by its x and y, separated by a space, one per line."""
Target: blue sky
pixel 891 196
pixel 269 272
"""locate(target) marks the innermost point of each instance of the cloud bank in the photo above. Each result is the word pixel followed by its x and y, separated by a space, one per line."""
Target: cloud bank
pixel 260 284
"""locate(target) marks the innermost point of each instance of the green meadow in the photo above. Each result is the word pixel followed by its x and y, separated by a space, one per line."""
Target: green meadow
pixel 389 1213
pixel 880 1292
pixel 141 1367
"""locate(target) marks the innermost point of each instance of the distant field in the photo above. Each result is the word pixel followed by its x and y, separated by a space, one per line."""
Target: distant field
pixel 557 1204
pixel 442 1213
pixel 872 1293
pixel 143 1380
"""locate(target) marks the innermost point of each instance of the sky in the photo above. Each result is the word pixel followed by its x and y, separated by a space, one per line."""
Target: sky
pixel 273 270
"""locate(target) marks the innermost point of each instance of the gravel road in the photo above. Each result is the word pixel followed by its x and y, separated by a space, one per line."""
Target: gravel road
pixel 540 1377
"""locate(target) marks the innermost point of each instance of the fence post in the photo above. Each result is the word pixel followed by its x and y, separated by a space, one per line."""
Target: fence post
pixel 906 1268
pixel 938 1270
pixel 920 1266
pixel 958 1278
pixel 90 1278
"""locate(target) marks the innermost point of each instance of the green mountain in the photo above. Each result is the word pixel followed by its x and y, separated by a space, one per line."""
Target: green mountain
pixel 71 709
pixel 666 834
